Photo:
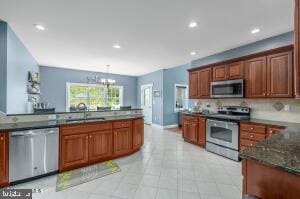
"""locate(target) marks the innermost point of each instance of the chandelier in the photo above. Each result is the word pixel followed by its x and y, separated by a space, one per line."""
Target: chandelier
pixel 104 81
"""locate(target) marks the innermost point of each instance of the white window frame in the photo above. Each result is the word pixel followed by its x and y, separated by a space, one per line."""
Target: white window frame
pixel 176 110
pixel 68 85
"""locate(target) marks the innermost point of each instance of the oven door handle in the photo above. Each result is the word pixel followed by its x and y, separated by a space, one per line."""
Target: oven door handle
pixel 217 121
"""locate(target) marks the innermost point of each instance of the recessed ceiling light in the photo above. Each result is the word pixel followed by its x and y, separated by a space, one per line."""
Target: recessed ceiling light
pixel 193 24
pixel 255 30
pixel 39 27
pixel 193 53
pixel 117 46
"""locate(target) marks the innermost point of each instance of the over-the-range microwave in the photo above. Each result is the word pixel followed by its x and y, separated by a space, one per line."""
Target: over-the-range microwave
pixel 228 89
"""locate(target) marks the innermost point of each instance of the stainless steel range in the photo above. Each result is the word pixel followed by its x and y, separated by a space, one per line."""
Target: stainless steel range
pixel 222 130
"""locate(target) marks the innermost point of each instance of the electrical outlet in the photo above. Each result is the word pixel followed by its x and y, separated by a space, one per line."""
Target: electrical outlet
pixel 287 108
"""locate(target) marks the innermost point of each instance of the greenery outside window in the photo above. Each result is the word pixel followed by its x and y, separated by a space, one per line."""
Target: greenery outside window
pixel 93 96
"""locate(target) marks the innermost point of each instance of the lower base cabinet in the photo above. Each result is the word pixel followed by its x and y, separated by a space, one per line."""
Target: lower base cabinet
pixel 122 141
pixel 100 145
pixel 85 144
pixel 3 159
pixel 194 129
pixel 137 133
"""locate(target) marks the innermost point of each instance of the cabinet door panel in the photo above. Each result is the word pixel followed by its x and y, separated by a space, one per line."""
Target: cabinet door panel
pixel 220 73
pixel 100 145
pixel 193 132
pixel 193 85
pixel 256 77
pixel 3 159
pixel 74 150
pixel 236 70
pixel 122 141
pixel 138 133
pixel 204 83
pixel 280 75
pixel 202 132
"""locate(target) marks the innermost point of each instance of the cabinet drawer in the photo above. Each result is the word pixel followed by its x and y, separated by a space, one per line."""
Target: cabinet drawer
pixel 271 131
pixel 190 119
pixel 85 128
pixel 261 129
pixel 247 143
pixel 252 136
pixel 122 124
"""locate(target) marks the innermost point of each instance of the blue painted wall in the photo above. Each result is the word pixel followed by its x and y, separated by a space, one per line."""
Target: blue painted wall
pixel 172 76
pixel 15 62
pixel 259 46
pixel 19 62
pixel 53 85
pixel 3 65
pixel 155 78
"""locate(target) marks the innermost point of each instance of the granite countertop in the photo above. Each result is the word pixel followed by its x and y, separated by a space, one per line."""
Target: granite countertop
pixel 56 123
pixel 66 112
pixel 280 151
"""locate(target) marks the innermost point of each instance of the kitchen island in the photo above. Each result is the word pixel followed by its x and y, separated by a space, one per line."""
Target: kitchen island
pixel 271 168
pixel 82 140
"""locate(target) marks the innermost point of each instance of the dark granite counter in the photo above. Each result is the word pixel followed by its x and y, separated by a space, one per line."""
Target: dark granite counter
pixel 56 123
pixel 67 112
pixel 192 114
pixel 280 151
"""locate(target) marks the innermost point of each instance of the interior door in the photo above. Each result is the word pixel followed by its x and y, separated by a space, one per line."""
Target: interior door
pixel 146 103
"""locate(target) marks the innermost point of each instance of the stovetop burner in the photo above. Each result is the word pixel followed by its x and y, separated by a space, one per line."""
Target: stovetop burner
pixel 232 113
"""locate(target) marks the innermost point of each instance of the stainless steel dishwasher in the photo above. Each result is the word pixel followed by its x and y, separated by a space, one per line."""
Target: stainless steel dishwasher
pixel 33 153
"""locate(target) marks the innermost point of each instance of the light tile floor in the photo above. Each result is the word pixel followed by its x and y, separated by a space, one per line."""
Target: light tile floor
pixel 165 168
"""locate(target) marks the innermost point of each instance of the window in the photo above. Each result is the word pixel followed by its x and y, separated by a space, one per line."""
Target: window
pixel 93 96
pixel 181 97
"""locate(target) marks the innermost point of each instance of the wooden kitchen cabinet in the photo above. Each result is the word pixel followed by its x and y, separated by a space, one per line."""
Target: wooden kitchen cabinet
pixel 220 73
pixel 122 141
pixel 280 75
pixel 202 132
pixel 137 134
pixel 229 72
pixel 90 143
pixel 297 49
pixel 193 85
pixel 4 159
pixel 100 145
pixel 256 77
pixel 204 83
pixel 235 70
pixel 74 151
pixel 273 130
pixel 190 129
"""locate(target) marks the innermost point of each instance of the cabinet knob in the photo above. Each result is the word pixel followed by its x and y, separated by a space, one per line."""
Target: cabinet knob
pixel 251 144
pixel 251 129
pixel 90 136
pixel 271 132
pixel 251 136
pixel 1 138
pixel 87 137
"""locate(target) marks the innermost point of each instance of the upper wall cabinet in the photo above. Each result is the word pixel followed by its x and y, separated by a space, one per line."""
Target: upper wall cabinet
pixel 270 76
pixel 228 72
pixel 267 74
pixel 204 83
pixel 256 77
pixel 193 85
pixel 199 84
pixel 297 49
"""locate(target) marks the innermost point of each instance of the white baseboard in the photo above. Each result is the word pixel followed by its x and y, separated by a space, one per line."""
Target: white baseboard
pixel 171 126
pixel 165 127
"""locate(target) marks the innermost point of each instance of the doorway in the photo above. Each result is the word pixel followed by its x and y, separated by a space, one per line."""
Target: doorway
pixel 146 102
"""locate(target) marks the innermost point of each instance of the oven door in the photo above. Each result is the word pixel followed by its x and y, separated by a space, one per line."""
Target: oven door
pixel 223 133
pixel 228 89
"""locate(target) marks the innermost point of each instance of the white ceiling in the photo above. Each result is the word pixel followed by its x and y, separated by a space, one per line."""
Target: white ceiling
pixel 154 34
